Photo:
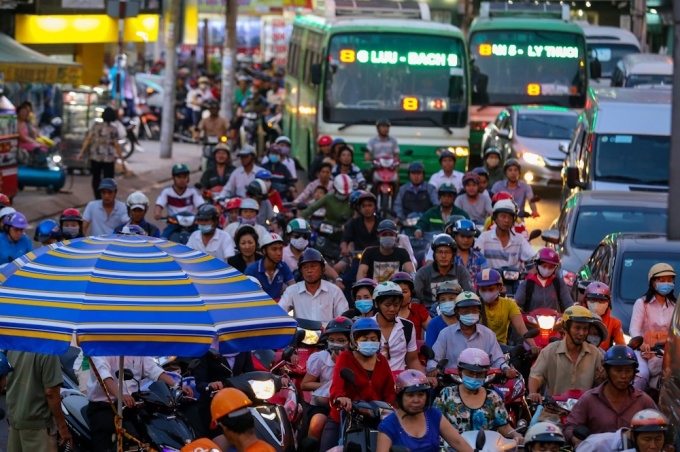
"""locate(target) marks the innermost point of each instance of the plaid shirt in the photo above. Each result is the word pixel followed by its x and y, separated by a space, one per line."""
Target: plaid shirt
pixel 476 263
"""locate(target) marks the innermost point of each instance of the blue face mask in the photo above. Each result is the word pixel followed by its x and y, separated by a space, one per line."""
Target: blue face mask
pixel 469 319
pixel 274 158
pixel 447 307
pixel 368 348
pixel 364 306
pixel 248 221
pixel 472 384
pixel 664 288
pixel 205 228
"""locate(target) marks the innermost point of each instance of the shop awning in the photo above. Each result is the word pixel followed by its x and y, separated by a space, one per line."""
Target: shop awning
pixel 18 63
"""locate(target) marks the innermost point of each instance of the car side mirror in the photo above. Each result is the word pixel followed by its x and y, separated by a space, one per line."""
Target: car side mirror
pixel 551 236
pixel 564 147
pixel 315 73
pixel 573 178
pixel 595 69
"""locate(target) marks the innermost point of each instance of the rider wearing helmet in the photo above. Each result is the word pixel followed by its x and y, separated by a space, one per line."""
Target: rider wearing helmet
pixel 448 173
pixel 137 205
pixel 380 262
pixel 13 242
pixel 233 207
pixel 282 179
pixel 106 213
pixel 520 190
pixel 433 219
pixel 382 145
pixel 362 230
pixel 373 377
pixel 47 232
pixel 492 163
pixel 487 412
pixel 180 197
pixel 483 175
pixel 501 246
pixel 242 175
pixel 213 125
pixel 248 210
pixel 544 436
pixel 229 411
pixel 284 143
pixel 442 269
pixel 208 238
pixel 447 292
pixel 597 298
pixel 557 365
pixel 217 174
pixel 322 178
pixel 597 333
pixel 257 189
pixel 411 309
pixel 320 367
pixel 544 288
pixel 474 201
pixel 313 298
pixel 467 333
pixel 71 223
pixel 274 274
pixel 416 414
pixel 338 210
pixel 325 153
pixel 362 295
pixel 464 232
pixel 345 165
pixel 4 201
pixel 594 408
pixel 298 232
pixel 273 196
pixel 415 196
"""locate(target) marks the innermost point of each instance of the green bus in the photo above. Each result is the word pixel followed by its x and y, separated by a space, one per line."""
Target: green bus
pixel 350 67
pixel 523 54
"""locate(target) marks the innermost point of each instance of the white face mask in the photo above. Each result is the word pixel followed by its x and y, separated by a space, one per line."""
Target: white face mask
pixel 299 243
pixel 545 272
pixel 597 308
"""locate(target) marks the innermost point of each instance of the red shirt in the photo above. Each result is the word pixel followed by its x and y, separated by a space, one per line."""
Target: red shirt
pixel 380 386
pixel 614 329
pixel 275 199
pixel 417 315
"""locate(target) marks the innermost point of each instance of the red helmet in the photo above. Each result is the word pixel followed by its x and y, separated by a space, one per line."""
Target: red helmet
pixel 324 140
pixel 411 380
pixel 470 177
pixel 193 83
pixel 4 200
pixel 501 195
pixel 70 215
pixel 233 203
pixel 598 290
pixel 548 256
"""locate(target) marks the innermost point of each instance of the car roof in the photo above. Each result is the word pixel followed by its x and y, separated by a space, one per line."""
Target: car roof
pixel 621 199
pixel 647 242
pixel 648 63
pixel 541 109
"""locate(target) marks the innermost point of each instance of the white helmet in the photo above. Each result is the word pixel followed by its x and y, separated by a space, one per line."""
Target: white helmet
pixel 6 211
pixel 269 239
pixel 387 289
pixel 544 432
pixel 249 203
pixel 505 205
pixel 137 199
pixel 342 184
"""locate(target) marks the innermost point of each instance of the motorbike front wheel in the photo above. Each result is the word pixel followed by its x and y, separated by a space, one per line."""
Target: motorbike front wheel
pixel 127 148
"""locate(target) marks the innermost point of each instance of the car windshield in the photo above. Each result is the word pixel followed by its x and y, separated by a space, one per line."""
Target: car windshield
pixel 609 55
pixel 394 75
pixel 648 80
pixel 593 223
pixel 541 125
pixel 634 267
pixel 632 159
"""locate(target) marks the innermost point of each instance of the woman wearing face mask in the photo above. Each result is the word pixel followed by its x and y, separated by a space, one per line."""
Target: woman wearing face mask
pixel 597 298
pixel 415 425
pixel 71 224
pixel 411 309
pixel 373 377
pixel 544 288
pixel 446 299
pixel 320 368
pixel 362 294
pixel 470 406
pixel 652 313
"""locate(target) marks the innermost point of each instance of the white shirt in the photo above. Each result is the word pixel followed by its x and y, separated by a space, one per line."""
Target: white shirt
pixel 233 227
pixel 289 258
pixel 439 178
pixel 143 367
pixel 321 365
pixel 653 316
pixel 397 344
pixel 327 303
pixel 604 442
pixel 497 256
pixel 238 182
pixel 174 203
pixel 221 245
pixel 196 95
pixel 404 242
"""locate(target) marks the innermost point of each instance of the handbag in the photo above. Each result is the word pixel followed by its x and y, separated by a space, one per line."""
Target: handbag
pixel 654 337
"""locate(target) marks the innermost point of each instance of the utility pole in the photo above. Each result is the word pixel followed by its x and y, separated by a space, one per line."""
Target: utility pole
pixel 171 38
pixel 640 22
pixel 228 57
pixel 674 167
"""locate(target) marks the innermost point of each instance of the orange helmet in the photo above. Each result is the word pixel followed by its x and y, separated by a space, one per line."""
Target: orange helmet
pixel 4 200
pixel 233 203
pixel 228 401
pixel 201 445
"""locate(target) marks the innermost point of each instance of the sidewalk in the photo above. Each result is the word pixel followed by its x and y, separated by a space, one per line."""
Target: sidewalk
pixel 147 170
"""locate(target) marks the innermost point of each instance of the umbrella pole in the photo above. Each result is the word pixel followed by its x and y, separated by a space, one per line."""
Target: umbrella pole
pixel 121 381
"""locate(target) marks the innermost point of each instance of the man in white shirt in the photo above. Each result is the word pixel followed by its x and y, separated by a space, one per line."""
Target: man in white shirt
pixel 501 246
pixel 238 181
pixel 447 160
pixel 313 298
pixel 208 238
pixel 106 213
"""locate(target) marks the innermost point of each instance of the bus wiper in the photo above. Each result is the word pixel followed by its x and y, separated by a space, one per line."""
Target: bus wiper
pixel 426 118
pixel 354 123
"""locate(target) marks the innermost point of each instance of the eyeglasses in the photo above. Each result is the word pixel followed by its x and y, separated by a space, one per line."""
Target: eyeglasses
pixel 444 252
pixel 297 236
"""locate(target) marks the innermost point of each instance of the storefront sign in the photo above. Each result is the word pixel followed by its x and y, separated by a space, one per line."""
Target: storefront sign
pixel 41 73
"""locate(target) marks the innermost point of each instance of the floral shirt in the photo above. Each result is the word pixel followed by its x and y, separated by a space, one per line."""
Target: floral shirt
pixel 490 416
pixel 475 264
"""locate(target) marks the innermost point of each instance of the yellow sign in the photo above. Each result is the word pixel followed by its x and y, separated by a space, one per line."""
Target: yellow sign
pixel 409 104
pixel 41 73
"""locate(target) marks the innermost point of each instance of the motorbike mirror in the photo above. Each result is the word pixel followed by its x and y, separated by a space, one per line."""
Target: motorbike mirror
pixel 521 426
pixel 301 206
pixel 443 363
pixel 581 432
pixel 56 121
pixel 532 333
pixel 214 354
pixel 480 441
pixel 127 374
pixel 198 185
pixel 287 353
pixel 554 339
pixel 348 375
pixel 299 337
pixel 582 285
pixel 193 364
pixel 636 342
pixel 536 233
pixel 408 152
pixel 427 352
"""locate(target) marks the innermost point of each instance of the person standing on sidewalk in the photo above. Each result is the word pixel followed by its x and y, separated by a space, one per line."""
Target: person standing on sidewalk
pixel 34 403
pixel 102 144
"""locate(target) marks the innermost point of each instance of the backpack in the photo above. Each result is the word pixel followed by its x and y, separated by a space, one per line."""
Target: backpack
pixel 408 330
pixel 531 284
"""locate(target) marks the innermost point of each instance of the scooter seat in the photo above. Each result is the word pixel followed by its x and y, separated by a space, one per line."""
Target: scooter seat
pixel 76 405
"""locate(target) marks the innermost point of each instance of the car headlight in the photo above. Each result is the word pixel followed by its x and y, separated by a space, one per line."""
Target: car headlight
pixel 533 159
pixel 263 390
pixel 545 322
pixel 311 337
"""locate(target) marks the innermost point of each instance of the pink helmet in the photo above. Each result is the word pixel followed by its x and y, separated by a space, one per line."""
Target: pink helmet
pixel 547 255
pixel 412 381
pixel 598 290
pixel 474 359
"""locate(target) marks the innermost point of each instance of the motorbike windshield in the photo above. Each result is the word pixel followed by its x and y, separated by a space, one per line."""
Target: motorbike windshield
pixel 373 75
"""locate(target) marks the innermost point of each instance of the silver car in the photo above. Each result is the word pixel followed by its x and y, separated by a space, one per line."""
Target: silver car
pixel 533 134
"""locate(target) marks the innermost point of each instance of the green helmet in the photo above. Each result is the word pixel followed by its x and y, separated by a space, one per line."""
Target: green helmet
pixel 299 226
pixel 180 168
pixel 447 187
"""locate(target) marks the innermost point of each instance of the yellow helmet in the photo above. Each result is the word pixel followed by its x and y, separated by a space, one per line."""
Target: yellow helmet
pixel 660 269
pixel 577 314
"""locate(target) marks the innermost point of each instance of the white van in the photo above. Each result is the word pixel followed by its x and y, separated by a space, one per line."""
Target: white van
pixel 621 142
pixel 608 45
pixel 644 70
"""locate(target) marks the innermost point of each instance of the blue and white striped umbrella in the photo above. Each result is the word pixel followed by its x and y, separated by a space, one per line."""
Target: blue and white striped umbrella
pixel 134 295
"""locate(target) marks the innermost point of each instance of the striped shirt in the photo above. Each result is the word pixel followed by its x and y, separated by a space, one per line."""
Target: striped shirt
pixel 516 251
pixel 189 201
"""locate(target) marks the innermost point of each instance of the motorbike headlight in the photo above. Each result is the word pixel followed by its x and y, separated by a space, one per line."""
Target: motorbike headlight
pixel 311 337
pixel 186 221
pixel 568 404
pixel 56 158
pixel 326 228
pixel 410 222
pixel 545 322
pixel 263 390
pixel 511 275
pixel 518 387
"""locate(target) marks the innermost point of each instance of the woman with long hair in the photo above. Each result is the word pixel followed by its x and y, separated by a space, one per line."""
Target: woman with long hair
pixel 246 240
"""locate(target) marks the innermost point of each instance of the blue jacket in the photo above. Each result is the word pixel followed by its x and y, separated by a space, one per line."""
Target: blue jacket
pixel 10 250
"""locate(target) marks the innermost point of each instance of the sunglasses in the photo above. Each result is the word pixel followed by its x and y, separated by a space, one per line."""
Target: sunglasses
pixel 297 236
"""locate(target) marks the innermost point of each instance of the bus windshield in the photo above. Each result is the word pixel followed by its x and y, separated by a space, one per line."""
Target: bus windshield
pixel 528 67
pixel 610 54
pixel 418 79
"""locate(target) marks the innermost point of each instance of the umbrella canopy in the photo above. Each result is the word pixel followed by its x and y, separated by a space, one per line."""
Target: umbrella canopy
pixel 134 295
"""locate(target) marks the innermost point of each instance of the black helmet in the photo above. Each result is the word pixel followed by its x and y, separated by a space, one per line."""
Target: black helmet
pixel 256 188
pixel 447 187
pixel 387 225
pixel 339 325
pixel 361 197
pixel 450 222
pixel 620 355
pixel 481 171
pixel 512 162
pixel 311 255
pixel 383 122
pixel 444 240
pixel 207 212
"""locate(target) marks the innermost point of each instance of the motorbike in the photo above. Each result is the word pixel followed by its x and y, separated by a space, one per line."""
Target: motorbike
pixel 655 380
pixel 385 183
pixel 150 126
pixel 185 223
pixel 182 131
pixel 547 321
pixel 555 408
pixel 272 124
pixel 326 239
pixel 248 131
pixel 128 144
pixel 209 143
pixel 44 166
pixel 156 419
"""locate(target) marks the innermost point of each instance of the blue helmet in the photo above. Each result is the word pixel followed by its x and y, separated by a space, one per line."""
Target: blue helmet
pixel 5 366
pixel 364 325
pixel 263 174
pixel 464 227
pixel 620 355
pixel 47 229
pixel 488 277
